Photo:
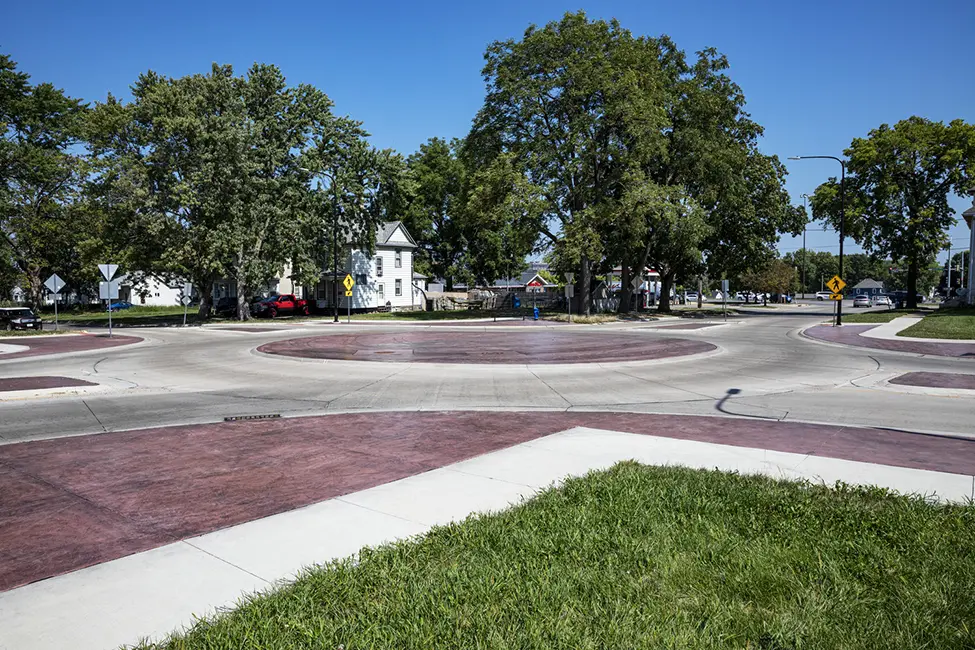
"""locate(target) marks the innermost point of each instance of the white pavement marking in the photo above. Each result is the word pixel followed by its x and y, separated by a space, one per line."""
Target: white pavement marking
pixel 9 348
pixel 151 593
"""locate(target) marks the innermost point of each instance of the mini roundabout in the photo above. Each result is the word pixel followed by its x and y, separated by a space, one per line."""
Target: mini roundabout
pixel 507 347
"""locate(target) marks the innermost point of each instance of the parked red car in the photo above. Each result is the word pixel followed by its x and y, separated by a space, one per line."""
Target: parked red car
pixel 284 305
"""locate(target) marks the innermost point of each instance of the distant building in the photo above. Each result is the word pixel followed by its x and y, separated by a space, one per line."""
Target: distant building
pixel 868 287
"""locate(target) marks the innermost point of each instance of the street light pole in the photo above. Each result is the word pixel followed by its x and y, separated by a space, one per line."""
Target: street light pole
pixel 335 252
pixel 839 305
pixel 804 198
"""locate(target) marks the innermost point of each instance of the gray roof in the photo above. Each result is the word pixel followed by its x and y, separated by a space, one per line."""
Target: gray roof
pixel 386 231
pixel 869 283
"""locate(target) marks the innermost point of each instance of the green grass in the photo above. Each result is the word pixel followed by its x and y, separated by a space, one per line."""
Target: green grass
pixel 21 333
pixel 130 316
pixel 592 319
pixel 642 557
pixel 958 323
pixel 459 314
pixel 875 316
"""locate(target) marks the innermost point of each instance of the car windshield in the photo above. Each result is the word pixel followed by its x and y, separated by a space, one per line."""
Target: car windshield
pixel 21 313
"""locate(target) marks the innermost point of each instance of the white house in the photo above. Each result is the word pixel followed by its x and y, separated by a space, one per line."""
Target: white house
pixel 144 289
pixel 384 279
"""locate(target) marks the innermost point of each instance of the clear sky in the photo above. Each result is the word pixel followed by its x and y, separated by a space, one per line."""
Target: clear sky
pixel 816 74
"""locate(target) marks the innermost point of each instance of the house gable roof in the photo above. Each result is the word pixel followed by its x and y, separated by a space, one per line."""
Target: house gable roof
pixel 389 229
pixel 869 283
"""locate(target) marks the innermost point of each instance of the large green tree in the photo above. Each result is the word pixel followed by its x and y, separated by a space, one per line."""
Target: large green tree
pixel 40 177
pixel 435 217
pixel 897 187
pixel 557 100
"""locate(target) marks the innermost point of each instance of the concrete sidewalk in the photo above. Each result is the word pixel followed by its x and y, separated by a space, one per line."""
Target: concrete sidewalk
pixel 154 592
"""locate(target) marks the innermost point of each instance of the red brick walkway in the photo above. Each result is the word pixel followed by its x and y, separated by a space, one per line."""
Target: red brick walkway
pixel 74 502
pixel 485 347
pixel 37 383
pixel 935 380
pixel 851 335
pixel 56 344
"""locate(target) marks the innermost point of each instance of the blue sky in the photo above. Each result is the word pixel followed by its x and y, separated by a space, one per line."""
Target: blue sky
pixel 816 74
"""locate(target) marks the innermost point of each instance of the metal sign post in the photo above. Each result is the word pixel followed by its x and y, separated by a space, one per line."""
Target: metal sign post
pixel 108 291
pixel 724 298
pixel 55 284
pixel 569 291
pixel 349 282
pixel 186 297
pixel 108 272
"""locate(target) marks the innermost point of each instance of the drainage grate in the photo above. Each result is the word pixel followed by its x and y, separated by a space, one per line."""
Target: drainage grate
pixel 234 418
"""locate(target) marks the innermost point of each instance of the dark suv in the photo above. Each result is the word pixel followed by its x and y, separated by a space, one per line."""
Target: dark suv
pixel 19 318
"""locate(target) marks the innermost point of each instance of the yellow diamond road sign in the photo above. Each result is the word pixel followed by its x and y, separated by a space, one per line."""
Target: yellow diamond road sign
pixel 348 282
pixel 836 296
pixel 836 284
pixel 348 294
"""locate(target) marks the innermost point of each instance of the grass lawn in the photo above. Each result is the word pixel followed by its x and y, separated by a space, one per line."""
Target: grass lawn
pixel 130 316
pixel 642 557
pixel 958 323
pixel 21 333
pixel 875 316
pixel 587 320
pixel 459 314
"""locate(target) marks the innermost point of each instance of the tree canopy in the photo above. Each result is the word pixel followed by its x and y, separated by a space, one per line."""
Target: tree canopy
pixel 897 187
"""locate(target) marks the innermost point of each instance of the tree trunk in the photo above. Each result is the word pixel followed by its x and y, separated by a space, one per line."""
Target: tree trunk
pixel 666 281
pixel 243 309
pixel 912 283
pixel 624 306
pixel 700 292
pixel 585 285
pixel 206 298
pixel 36 287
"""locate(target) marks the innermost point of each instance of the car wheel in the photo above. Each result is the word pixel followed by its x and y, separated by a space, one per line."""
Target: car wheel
pixel 304 310
pixel 271 313
pixel 10 327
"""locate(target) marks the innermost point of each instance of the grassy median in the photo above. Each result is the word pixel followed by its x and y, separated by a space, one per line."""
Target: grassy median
pixel 958 323
pixel 852 318
pixel 643 557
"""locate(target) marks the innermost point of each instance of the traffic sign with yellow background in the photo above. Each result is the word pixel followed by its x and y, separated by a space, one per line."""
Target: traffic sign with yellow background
pixel 836 284
pixel 348 282
pixel 836 296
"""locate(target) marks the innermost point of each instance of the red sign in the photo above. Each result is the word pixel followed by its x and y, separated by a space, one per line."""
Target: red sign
pixel 534 283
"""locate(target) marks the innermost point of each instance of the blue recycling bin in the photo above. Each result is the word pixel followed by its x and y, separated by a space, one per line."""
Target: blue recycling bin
pixel 536 313
pixel 516 302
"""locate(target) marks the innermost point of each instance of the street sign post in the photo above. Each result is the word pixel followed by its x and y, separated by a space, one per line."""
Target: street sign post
pixel 108 291
pixel 724 297
pixel 570 292
pixel 349 282
pixel 54 285
pixel 836 285
pixel 186 297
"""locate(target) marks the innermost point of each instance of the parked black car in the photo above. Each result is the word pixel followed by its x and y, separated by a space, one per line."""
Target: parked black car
pixel 899 298
pixel 225 306
pixel 19 318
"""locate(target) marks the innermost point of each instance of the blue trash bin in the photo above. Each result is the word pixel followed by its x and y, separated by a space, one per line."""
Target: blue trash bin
pixel 536 313
pixel 516 302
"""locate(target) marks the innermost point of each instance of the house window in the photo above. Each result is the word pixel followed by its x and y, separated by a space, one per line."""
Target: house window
pixel 360 278
pixel 399 287
pixel 399 259
pixel 380 291
pixel 379 267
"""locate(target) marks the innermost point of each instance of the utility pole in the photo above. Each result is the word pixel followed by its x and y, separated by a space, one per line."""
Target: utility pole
pixel 839 303
pixel 335 250
pixel 804 198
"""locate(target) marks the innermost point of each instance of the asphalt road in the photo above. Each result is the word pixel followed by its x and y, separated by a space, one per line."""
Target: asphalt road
pixel 763 368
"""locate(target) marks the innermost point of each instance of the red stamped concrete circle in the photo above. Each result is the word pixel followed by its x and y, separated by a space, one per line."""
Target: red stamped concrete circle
pixel 485 347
